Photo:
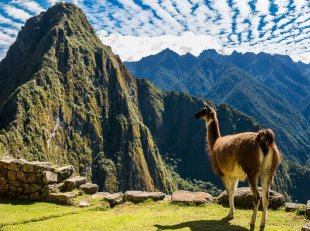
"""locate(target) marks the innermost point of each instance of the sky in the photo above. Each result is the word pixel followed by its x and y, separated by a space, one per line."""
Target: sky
pixel 138 28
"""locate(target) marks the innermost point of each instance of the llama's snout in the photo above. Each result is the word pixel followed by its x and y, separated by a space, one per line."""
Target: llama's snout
pixel 200 113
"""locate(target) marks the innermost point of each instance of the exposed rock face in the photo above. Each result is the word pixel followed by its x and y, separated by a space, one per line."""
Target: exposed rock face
pixel 66 98
pixel 187 197
pixel 244 199
pixel 139 196
pixel 290 207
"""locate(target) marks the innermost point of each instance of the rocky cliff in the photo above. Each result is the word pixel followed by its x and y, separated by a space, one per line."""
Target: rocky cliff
pixel 66 98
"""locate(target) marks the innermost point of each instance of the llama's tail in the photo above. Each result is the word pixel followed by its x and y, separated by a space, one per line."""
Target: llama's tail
pixel 265 138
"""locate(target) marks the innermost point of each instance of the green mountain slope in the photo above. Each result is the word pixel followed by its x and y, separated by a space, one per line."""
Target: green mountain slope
pixel 247 82
pixel 66 98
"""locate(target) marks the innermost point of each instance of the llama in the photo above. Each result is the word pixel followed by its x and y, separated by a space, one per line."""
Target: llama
pixel 240 156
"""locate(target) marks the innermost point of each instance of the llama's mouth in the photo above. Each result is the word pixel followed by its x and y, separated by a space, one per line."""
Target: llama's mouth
pixel 197 115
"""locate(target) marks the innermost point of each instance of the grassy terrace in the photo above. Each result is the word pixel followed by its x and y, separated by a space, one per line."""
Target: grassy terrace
pixel 20 215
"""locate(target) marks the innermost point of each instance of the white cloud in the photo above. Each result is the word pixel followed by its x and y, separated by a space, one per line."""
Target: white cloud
pixel 29 5
pixel 16 13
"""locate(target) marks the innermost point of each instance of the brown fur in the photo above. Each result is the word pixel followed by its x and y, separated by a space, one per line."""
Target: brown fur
pixel 235 157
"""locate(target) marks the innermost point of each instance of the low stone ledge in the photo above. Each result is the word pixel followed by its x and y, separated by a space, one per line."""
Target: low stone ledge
pixel 62 198
pixel 89 188
pixel 74 182
pixel 187 197
pixel 291 207
pixel 244 199
pixel 306 227
pixel 140 196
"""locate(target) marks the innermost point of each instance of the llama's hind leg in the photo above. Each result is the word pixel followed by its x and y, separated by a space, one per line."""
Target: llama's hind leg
pixel 256 197
pixel 265 181
pixel 230 185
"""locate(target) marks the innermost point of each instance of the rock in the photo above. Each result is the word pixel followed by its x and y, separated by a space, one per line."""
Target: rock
pixel 244 199
pixel 115 199
pixel 23 197
pixel 31 177
pixel 167 198
pixel 34 196
pixel 65 172
pixel 51 188
pixel 306 227
pixel 31 188
pixel 74 182
pixel 187 197
pixel 11 175
pixel 290 207
pixel 308 209
pixel 139 196
pixel 100 195
pixel 89 188
pixel 49 177
pixel 42 166
pixel 27 167
pixel 84 204
pixel 62 198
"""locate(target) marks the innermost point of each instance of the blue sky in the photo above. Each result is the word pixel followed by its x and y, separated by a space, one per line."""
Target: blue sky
pixel 137 28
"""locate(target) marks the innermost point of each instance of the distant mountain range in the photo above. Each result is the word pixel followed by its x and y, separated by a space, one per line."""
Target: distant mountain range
pixel 271 88
pixel 66 98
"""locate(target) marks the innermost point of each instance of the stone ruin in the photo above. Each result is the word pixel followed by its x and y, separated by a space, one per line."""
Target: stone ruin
pixel 41 181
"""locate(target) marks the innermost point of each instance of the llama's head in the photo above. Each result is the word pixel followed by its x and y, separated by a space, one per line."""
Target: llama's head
pixel 207 113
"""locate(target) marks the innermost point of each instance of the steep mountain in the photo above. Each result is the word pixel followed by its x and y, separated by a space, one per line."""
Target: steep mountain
pixel 66 98
pixel 269 88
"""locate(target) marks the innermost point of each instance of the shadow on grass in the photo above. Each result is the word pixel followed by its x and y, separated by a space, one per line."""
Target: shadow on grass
pixel 200 225
pixel 14 201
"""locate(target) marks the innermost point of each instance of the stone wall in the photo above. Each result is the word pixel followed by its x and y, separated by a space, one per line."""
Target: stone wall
pixel 35 180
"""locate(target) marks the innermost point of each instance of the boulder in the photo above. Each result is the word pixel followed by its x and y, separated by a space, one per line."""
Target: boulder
pixel 188 197
pixel 65 172
pixel 100 195
pixel 244 199
pixel 84 204
pixel 74 182
pixel 49 177
pixel 89 188
pixel 308 209
pixel 115 199
pixel 290 207
pixel 139 196
pixel 62 198
pixel 306 227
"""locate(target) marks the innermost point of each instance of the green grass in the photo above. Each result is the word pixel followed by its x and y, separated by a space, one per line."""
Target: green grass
pixel 135 217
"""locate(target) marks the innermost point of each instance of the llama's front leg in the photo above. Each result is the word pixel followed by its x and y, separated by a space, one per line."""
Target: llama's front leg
pixel 256 197
pixel 230 185
pixel 265 195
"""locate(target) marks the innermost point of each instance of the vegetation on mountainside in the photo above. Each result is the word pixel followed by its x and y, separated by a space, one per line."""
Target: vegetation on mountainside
pixel 66 98
pixel 18 215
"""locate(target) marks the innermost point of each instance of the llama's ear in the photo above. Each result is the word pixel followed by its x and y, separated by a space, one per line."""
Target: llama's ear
pixel 207 105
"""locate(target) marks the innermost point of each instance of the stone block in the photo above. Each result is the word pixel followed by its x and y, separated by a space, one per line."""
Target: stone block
pixel 31 177
pixel 21 176
pixel 291 207
pixel 140 196
pixel 62 198
pixel 49 177
pixel 51 188
pixel 74 182
pixel 31 188
pixel 34 196
pixel 65 172
pixel 27 167
pixel 89 188
pixel 11 175
pixel 187 197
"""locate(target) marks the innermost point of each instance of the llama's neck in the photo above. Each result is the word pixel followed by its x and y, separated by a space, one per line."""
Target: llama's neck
pixel 213 132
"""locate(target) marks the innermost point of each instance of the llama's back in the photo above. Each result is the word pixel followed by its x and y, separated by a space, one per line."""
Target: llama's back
pixel 242 154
